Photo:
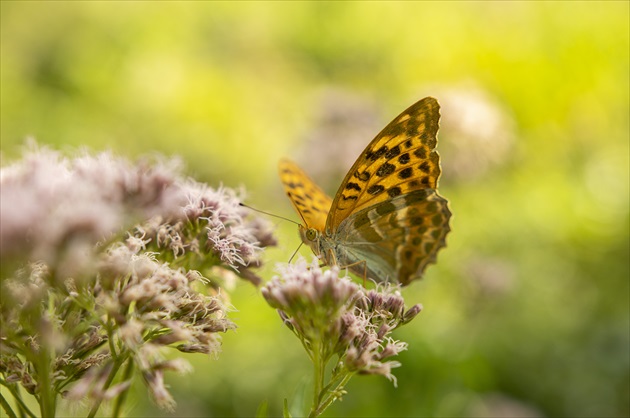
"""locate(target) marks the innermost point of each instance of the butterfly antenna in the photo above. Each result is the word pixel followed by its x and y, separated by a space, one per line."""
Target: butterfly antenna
pixel 281 217
pixel 296 251
pixel 269 214
pixel 298 211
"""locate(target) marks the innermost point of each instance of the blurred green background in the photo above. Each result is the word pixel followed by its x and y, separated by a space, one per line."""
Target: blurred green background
pixel 527 311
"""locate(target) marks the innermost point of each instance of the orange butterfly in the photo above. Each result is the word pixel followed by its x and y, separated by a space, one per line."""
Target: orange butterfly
pixel 387 218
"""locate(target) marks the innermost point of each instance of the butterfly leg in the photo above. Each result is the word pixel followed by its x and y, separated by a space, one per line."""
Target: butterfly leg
pixel 364 269
pixel 333 262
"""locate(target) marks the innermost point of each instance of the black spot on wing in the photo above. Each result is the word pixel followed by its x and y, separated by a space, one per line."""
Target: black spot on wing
pixel 420 153
pixel 353 186
pixel 373 156
pixel 296 197
pixel 364 176
pixel 394 191
pixel 375 189
pixel 405 173
pixel 385 170
pixel 394 152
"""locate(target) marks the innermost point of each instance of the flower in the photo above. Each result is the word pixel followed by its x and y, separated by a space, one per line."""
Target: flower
pixel 212 228
pixel 335 315
pixel 102 263
pixel 55 209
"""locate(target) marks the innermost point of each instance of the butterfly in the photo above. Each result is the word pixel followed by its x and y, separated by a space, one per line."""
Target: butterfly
pixel 387 220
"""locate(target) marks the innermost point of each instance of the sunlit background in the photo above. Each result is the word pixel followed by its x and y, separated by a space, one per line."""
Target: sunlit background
pixel 527 311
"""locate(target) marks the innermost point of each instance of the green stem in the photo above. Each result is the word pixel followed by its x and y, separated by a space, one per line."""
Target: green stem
pixel 47 402
pixel 318 376
pixel 332 395
pixel 121 398
pixel 14 389
pixel 112 374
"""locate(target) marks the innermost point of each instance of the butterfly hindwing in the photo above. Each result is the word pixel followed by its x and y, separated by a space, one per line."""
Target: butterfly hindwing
pixel 397 238
pixel 308 199
pixel 402 158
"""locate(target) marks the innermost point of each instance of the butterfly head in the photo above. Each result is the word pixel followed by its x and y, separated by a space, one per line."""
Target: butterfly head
pixel 310 237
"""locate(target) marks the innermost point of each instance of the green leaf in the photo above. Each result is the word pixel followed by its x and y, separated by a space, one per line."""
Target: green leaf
pixel 261 412
pixel 285 409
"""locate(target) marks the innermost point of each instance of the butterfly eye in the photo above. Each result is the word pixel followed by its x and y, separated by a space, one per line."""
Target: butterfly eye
pixel 311 234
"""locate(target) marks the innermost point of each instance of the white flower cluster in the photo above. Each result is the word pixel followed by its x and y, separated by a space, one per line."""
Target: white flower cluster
pixel 102 263
pixel 337 317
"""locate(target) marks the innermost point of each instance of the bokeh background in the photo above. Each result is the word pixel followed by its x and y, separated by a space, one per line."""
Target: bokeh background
pixel 526 312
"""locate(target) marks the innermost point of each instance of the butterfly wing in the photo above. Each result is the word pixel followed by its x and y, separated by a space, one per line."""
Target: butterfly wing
pixel 397 238
pixel 401 159
pixel 387 217
pixel 308 199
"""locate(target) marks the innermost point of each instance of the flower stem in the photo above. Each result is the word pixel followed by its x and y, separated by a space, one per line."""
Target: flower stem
pixel 15 391
pixel 112 374
pixel 121 398
pixel 332 395
pixel 318 376
pixel 47 403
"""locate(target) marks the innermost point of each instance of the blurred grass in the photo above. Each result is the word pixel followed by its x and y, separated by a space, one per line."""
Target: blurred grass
pixel 526 312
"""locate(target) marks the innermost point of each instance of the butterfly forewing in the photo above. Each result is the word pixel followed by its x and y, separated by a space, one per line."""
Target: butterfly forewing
pixel 308 199
pixel 401 159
